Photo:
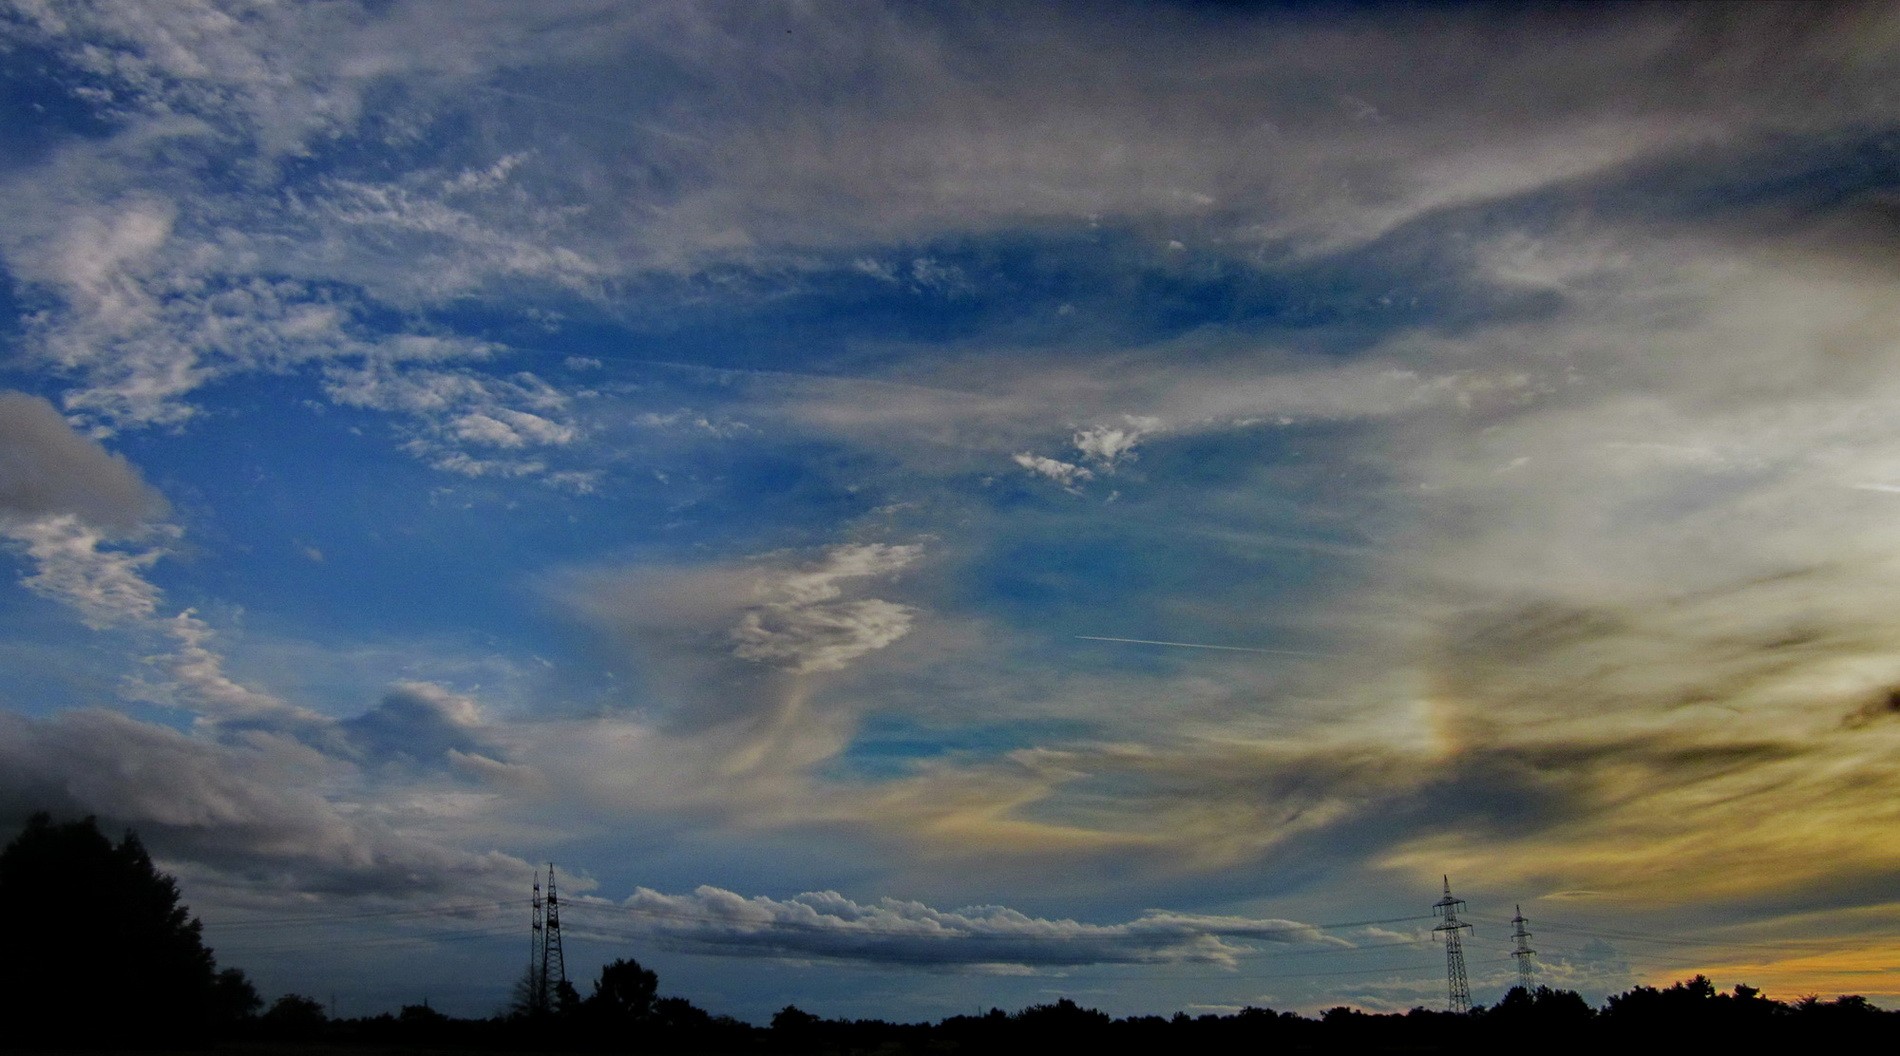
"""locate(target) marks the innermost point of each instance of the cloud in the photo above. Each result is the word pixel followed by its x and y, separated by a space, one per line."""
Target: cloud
pixel 800 622
pixel 64 501
pixel 745 667
pixel 141 319
pixel 463 421
pixel 1613 565
pixel 828 925
pixel 771 613
pixel 154 300
pixel 1109 444
pixel 969 410
pixel 460 246
pixel 193 678
pixel 107 587
pixel 1073 120
pixel 419 723
pixel 166 280
pixel 1067 474
pixel 47 469
pixel 242 813
pixel 1076 120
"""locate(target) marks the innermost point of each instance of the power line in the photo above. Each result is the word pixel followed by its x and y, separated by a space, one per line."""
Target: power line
pixel 606 929
pixel 493 931
pixel 331 918
pixel 1788 945
pixel 800 925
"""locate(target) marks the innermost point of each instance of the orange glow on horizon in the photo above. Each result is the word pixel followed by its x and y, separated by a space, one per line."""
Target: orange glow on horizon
pixel 1872 972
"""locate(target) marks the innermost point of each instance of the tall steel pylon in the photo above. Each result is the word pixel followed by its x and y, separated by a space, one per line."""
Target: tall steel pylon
pixel 553 963
pixel 1450 926
pixel 1522 953
pixel 537 939
pixel 547 967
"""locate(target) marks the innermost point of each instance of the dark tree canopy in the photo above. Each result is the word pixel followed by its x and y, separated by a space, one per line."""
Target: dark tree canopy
pixel 625 992
pixel 293 1016
pixel 102 949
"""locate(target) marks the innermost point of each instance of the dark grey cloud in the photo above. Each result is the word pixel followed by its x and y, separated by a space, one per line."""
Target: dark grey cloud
pixel 242 812
pixel 417 723
pixel 47 469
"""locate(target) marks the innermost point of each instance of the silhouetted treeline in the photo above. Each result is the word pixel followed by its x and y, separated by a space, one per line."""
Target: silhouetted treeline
pixel 104 955
pixel 1542 1019
pixel 626 1015
pixel 98 949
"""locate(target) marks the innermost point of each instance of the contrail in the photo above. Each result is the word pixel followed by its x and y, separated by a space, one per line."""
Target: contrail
pixel 1200 645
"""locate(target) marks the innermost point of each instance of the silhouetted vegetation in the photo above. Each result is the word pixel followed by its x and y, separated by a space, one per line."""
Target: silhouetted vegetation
pixel 624 1014
pixel 100 950
pixel 122 964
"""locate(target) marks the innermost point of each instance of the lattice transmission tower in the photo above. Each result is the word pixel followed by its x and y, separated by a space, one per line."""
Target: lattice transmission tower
pixel 547 966
pixel 1522 952
pixel 1450 926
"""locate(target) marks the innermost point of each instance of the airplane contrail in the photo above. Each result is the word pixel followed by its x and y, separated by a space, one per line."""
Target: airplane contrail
pixel 1200 645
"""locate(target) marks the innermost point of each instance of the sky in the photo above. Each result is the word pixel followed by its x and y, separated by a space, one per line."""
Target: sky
pixel 915 508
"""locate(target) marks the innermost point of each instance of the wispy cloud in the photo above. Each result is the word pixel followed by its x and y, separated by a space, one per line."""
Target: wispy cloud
pixel 107 586
pixel 800 621
pixel 828 925
pixel 464 421
pixel 1532 378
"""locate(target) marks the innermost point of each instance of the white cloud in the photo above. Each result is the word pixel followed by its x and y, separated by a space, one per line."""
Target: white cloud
pixel 193 678
pixel 1066 474
pixel 432 222
pixel 107 586
pixel 45 470
pixel 1109 444
pixel 1073 120
pixel 799 620
pixel 743 667
pixel 457 414
pixel 987 404
pixel 507 428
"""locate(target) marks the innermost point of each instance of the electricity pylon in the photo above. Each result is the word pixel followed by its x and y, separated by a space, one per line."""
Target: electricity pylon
pixel 1450 926
pixel 1526 968
pixel 553 964
pixel 547 967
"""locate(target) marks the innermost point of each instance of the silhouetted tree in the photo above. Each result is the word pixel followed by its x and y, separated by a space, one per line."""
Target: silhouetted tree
pixel 293 1016
pixel 794 1029
pixel 527 1001
pixel 1846 1012
pixel 421 1016
pixel 233 998
pixel 677 1015
pixel 1063 1024
pixel 100 949
pixel 1541 1008
pixel 624 993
